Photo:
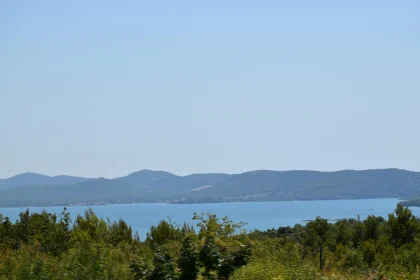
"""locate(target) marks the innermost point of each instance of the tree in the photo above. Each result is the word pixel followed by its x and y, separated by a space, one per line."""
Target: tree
pixel 188 260
pixel 371 228
pixel 403 226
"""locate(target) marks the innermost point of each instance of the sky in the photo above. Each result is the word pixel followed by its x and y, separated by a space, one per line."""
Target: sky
pixel 106 88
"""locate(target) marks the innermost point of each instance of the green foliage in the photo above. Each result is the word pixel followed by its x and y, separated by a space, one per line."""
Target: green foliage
pixel 164 267
pixel 403 226
pixel 369 252
pixel 210 254
pixel 166 231
pixel 210 224
pixel 316 234
pixel 351 247
pixel 42 230
pixel 46 246
pixel 372 227
pixel 96 261
pixel 188 261
pixel 230 262
pixel 162 233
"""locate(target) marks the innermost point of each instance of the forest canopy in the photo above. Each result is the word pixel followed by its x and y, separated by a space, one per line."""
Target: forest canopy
pixel 50 246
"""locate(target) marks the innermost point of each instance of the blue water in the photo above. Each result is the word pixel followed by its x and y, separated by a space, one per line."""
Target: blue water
pixel 259 215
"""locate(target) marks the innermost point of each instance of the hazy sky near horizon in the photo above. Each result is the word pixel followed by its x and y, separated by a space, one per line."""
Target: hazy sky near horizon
pixel 105 88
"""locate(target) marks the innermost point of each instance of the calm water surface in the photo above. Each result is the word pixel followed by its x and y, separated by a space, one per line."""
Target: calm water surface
pixel 259 215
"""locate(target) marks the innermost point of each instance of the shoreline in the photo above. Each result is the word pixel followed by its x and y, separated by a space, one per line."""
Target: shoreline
pixel 193 203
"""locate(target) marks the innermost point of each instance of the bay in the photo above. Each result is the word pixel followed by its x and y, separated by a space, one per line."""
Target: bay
pixel 258 215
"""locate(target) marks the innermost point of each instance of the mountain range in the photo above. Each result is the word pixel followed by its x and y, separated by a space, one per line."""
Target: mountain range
pixel 147 186
pixel 39 179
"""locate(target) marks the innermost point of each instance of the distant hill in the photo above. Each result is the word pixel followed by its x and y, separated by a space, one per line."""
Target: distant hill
pixel 148 186
pixel 306 185
pixel 148 177
pixel 26 179
pixel 411 202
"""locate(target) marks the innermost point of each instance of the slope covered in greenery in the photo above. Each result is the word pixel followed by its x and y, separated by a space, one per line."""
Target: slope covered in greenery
pixel 49 246
pixel 157 186
pixel 411 202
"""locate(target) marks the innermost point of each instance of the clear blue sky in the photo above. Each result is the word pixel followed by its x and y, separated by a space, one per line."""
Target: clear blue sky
pixel 105 88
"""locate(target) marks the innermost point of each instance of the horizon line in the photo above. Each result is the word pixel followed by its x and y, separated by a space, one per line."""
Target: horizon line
pixel 189 174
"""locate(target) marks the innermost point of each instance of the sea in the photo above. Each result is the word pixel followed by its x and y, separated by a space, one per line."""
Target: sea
pixel 256 215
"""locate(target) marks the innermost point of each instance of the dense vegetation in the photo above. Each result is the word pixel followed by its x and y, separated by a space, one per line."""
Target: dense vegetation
pixel 158 186
pixel 412 202
pixel 47 246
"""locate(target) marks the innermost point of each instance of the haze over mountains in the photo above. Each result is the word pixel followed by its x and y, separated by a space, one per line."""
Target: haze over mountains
pixel 147 186
pixel 39 179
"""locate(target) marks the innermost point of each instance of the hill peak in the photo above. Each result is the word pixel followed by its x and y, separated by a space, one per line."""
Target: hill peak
pixel 147 177
pixel 28 174
pixel 149 172
pixel 31 178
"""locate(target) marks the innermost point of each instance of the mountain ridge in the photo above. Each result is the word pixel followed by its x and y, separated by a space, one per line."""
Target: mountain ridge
pixel 148 186
pixel 31 178
pixel 250 171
